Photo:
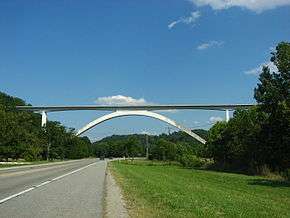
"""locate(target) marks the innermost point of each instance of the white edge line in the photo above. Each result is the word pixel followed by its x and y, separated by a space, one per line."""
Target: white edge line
pixel 43 183
pixel 38 165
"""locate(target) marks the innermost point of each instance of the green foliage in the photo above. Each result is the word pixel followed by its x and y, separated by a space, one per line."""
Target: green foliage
pixel 121 146
pixel 273 93
pixel 9 102
pixel 22 137
pixel 163 150
pixel 235 144
pixel 32 153
pixel 175 147
pixel 259 136
pixel 287 174
pixel 190 161
pixel 18 130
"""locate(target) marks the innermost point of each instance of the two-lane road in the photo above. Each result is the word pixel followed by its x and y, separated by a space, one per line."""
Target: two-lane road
pixel 66 189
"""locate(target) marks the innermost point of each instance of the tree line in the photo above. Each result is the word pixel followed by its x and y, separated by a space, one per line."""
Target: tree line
pixel 21 136
pixel 177 146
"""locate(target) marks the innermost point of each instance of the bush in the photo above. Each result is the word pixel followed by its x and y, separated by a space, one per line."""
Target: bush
pixel 286 174
pixel 190 161
pixel 32 153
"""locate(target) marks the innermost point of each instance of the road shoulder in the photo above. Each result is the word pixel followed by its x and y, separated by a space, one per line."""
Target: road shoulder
pixel 115 205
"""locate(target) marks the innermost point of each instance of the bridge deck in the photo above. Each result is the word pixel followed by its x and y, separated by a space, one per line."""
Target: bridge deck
pixel 221 107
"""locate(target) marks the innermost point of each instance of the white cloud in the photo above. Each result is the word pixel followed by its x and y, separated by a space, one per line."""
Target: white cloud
pixel 186 20
pixel 254 5
pixel 258 70
pixel 215 119
pixel 209 44
pixel 120 100
pixel 172 24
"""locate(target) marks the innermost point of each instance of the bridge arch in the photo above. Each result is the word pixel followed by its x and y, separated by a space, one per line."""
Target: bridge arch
pixel 123 113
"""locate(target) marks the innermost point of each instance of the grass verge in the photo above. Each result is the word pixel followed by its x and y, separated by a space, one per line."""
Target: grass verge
pixel 166 190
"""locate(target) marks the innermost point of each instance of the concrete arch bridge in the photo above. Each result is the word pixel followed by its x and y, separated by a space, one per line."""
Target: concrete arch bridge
pixel 137 110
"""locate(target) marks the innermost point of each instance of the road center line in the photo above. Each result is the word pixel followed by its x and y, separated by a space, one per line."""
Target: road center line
pixel 43 183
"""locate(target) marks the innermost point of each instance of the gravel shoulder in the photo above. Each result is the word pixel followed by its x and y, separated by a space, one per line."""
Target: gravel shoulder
pixel 115 206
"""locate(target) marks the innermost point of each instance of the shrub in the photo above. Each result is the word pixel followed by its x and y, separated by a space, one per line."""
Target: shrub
pixel 190 161
pixel 32 153
pixel 286 174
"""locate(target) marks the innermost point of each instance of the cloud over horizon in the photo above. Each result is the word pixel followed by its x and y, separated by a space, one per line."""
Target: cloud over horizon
pixel 253 5
pixel 120 100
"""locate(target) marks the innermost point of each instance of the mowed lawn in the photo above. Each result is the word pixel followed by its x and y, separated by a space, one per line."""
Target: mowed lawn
pixel 172 191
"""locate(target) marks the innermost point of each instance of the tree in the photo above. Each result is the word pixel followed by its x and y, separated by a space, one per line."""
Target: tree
pixel 217 143
pixel 273 94
pixel 22 137
pixel 259 136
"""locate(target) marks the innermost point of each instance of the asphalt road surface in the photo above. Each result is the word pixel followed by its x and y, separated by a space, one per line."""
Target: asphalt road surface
pixel 66 189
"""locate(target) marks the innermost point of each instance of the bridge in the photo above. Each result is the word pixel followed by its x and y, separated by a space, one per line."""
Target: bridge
pixel 135 110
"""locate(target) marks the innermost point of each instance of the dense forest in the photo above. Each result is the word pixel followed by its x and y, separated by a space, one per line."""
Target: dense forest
pixel 162 147
pixel 21 136
pixel 252 141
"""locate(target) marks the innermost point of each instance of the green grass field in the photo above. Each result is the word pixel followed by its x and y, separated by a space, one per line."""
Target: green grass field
pixel 162 190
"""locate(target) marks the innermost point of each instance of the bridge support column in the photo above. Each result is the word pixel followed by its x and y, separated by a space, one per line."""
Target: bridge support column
pixel 43 119
pixel 43 125
pixel 227 115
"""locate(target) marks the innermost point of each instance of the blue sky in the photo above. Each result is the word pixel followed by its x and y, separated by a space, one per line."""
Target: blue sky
pixel 173 51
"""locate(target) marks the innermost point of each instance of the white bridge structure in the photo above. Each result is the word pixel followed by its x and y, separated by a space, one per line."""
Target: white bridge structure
pixel 135 110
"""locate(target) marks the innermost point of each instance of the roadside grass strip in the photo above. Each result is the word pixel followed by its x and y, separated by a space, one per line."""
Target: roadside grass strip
pixel 153 190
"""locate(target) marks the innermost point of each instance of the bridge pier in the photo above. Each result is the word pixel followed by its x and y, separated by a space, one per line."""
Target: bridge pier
pixel 227 115
pixel 43 119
